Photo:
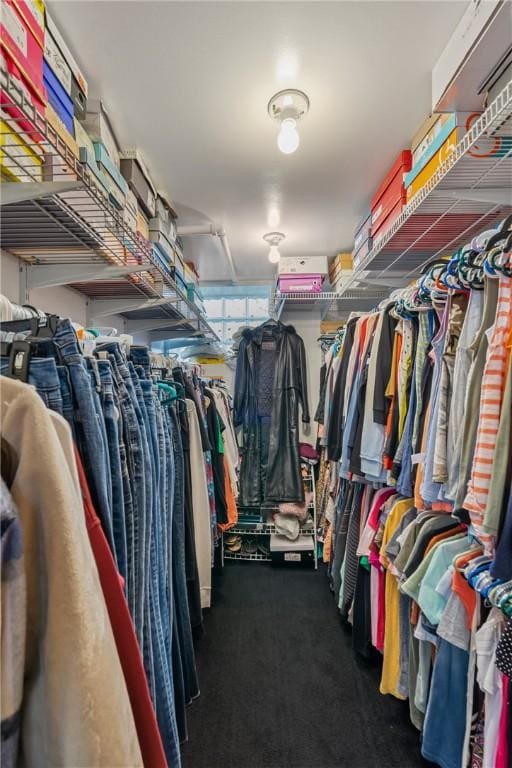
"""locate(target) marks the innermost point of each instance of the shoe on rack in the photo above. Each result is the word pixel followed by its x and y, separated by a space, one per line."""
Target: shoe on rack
pixel 235 545
pixel 249 547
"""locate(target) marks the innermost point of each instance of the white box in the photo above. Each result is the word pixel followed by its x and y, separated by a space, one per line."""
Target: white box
pixel 480 39
pixel 282 544
pixel 75 69
pixel 98 126
pixel 57 62
pixel 306 265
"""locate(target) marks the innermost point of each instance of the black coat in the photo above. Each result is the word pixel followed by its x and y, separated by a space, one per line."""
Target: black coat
pixel 282 478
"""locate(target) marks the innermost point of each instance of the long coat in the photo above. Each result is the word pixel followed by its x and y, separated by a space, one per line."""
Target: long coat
pixel 282 478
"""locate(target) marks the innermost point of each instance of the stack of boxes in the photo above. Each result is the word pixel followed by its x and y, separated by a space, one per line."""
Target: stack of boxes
pixel 22 40
pixel 340 270
pixel 191 276
pixel 390 198
pixel 433 144
pixel 302 275
pixel 363 240
pixel 41 66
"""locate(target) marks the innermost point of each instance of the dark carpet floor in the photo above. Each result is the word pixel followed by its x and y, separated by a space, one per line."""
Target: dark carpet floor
pixel 280 685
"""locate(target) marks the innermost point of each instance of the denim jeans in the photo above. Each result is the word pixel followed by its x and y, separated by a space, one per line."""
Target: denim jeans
pixel 140 356
pixel 43 375
pixel 111 414
pixel 90 426
pixel 179 572
pixel 132 467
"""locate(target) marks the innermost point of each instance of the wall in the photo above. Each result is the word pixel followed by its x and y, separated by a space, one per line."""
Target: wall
pixel 307 325
pixel 58 299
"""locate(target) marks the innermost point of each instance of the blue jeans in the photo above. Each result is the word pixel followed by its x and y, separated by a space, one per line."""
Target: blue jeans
pixel 132 467
pixel 186 647
pixel 89 423
pixel 445 719
pixel 43 375
pixel 111 414
pixel 140 356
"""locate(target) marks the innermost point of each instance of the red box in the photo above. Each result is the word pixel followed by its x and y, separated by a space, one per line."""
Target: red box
pixel 22 122
pixel 385 224
pixel 391 191
pixel 22 47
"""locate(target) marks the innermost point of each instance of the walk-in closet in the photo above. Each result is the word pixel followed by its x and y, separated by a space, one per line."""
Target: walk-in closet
pixel 256 383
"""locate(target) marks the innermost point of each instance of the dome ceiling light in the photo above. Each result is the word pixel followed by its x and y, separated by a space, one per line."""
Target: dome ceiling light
pixel 274 239
pixel 288 107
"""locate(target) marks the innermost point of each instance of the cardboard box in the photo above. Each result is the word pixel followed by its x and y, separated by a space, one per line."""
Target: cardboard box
pixel 309 283
pixel 98 126
pixel 135 173
pixel 142 223
pixel 18 160
pixel 87 154
pixel 57 62
pixel 61 130
pixel 458 122
pixel 58 97
pixel 391 192
pixel 130 211
pixel 21 84
pixel 363 251
pixel 306 265
pixel 106 165
pixel 68 56
pixel 435 123
pixel 363 231
pixel 22 47
pixel 56 169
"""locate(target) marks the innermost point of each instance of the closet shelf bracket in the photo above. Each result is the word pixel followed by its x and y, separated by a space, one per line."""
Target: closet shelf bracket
pixel 101 307
pixel 48 275
pixel 140 326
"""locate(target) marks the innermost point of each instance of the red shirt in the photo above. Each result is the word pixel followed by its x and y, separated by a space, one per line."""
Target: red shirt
pixel 150 741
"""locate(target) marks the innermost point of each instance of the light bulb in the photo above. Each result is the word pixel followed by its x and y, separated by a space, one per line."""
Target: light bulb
pixel 288 138
pixel 273 254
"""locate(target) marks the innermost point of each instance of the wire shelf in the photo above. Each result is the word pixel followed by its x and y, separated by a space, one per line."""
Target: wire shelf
pixel 56 213
pixel 264 529
pixel 257 556
pixel 470 192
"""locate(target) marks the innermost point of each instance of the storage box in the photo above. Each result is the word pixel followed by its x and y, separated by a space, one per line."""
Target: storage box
pixel 130 211
pixel 386 223
pixel 306 265
pixel 56 169
pixel 22 46
pixel 20 83
pixel 363 251
pixel 135 173
pixel 142 223
pixel 391 192
pixel 98 126
pixel 166 227
pixel 418 180
pixel 189 275
pixel 58 126
pixel 18 160
pixel 66 53
pixel 57 62
pixel 342 262
pixel 286 552
pixel 87 154
pixel 106 164
pixel 363 231
pixel 454 126
pixel 58 98
pixel 192 267
pixel 33 11
pixel 301 283
pixel 434 126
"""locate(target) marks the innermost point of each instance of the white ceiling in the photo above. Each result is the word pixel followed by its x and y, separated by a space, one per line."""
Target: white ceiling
pixel 189 82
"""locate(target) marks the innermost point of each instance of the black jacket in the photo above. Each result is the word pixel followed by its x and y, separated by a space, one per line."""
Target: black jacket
pixel 282 479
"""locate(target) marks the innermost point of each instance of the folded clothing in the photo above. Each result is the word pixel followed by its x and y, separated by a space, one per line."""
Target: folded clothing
pixel 287 525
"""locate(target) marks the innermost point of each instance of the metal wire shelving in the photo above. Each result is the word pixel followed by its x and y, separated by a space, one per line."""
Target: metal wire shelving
pixel 67 229
pixel 471 191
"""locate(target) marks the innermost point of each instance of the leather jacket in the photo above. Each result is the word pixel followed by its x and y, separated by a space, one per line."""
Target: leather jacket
pixel 281 481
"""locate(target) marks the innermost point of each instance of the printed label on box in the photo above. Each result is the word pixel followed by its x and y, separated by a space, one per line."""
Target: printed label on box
pixel 15 28
pixel 294 557
pixel 376 214
pixel 57 62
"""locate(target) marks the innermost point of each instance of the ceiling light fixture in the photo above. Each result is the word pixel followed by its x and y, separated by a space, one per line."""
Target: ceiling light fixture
pixel 288 107
pixel 274 239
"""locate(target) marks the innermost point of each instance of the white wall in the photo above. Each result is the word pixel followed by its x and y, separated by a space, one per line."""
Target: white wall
pixel 59 300
pixel 307 325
